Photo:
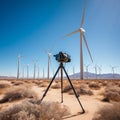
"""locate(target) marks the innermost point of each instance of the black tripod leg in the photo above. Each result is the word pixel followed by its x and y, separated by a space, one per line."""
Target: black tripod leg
pixel 77 96
pixel 61 85
pixel 49 85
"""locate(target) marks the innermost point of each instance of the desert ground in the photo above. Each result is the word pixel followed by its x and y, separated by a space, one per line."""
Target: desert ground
pixel 20 99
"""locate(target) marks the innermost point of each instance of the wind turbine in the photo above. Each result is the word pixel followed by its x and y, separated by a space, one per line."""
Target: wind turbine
pixel 87 69
pixel 38 71
pixel 27 71
pixel 95 67
pixel 18 71
pixel 73 72
pixel 82 37
pixel 113 70
pixel 43 74
pixel 34 76
pixel 100 70
pixel 49 58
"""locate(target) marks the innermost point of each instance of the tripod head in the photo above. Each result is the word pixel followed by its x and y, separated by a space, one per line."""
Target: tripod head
pixel 62 57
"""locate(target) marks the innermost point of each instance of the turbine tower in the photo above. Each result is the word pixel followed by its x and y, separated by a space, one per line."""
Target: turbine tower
pixel 100 70
pixel 49 58
pixel 95 67
pixel 43 74
pixel 73 72
pixel 38 71
pixel 87 70
pixel 27 71
pixel 82 37
pixel 18 71
pixel 34 76
pixel 113 70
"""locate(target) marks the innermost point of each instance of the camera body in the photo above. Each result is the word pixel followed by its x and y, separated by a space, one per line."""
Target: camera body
pixel 62 57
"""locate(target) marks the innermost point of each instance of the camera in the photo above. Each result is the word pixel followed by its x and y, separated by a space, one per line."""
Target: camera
pixel 62 57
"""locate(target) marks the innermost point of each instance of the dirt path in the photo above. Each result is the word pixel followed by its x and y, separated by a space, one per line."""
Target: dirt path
pixel 90 103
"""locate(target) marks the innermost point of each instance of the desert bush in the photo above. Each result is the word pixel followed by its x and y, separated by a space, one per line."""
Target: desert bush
pixel 4 85
pixel 94 86
pixel 67 88
pixel 30 111
pixel 108 113
pixel 81 91
pixel 112 93
pixel 17 93
pixel 56 86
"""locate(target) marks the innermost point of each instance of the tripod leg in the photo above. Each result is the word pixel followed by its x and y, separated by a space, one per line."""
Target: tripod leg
pixel 61 85
pixel 77 96
pixel 49 85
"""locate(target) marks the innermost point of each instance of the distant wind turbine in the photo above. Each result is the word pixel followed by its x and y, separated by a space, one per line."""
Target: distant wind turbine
pixel 18 71
pixel 100 70
pixel 34 76
pixel 27 71
pixel 43 74
pixel 113 70
pixel 82 37
pixel 23 73
pixel 95 67
pixel 38 71
pixel 87 69
pixel 73 72
pixel 49 58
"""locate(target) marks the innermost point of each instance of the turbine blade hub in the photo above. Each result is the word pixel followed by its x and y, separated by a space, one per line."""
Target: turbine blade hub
pixel 82 30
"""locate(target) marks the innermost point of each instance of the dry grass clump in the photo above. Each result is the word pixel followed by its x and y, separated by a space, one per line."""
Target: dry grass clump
pixel 94 85
pixel 30 111
pixel 4 85
pixel 56 86
pixel 109 113
pixel 17 83
pixel 81 91
pixel 67 88
pixel 112 93
pixel 17 93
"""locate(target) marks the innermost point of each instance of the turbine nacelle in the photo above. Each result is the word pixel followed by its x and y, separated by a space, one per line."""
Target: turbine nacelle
pixel 82 30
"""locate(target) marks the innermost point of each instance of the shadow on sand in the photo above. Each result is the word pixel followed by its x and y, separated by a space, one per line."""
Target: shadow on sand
pixel 74 115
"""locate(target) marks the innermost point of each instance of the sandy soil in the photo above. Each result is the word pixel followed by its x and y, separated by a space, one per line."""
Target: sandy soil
pixel 91 104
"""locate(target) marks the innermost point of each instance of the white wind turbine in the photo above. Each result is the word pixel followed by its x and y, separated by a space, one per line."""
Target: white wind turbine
pixel 113 70
pixel 49 59
pixel 27 71
pixel 34 76
pixel 87 69
pixel 38 71
pixel 82 38
pixel 95 67
pixel 18 71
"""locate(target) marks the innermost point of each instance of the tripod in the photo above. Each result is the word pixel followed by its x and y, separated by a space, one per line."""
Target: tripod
pixel 61 67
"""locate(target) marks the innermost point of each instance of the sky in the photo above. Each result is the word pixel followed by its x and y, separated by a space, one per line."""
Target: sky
pixel 31 27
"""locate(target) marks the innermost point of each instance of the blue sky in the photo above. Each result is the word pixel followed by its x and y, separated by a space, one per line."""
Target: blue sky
pixel 28 27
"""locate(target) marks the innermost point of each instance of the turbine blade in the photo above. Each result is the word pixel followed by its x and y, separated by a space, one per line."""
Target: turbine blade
pixel 87 47
pixel 74 32
pixel 83 14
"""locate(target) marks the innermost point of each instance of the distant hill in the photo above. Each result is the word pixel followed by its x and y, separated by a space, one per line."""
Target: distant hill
pixel 7 77
pixel 94 76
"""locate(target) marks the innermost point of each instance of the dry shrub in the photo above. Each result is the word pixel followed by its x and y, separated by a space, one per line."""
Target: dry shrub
pixel 30 111
pixel 17 93
pixel 108 113
pixel 67 88
pixel 82 91
pixel 94 86
pixel 17 83
pixel 112 93
pixel 4 85
pixel 56 86
pixel 43 85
